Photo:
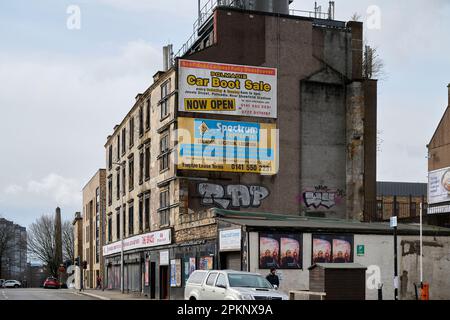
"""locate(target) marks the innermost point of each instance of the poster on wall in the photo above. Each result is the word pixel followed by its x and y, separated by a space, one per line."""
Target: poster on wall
pixel 228 146
pixel 218 88
pixel 332 249
pixel 206 263
pixel 175 273
pixel 281 251
pixel 146 274
pixel 189 267
pixel 439 186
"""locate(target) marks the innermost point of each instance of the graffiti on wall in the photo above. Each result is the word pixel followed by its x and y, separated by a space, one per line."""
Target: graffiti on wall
pixel 322 196
pixel 235 196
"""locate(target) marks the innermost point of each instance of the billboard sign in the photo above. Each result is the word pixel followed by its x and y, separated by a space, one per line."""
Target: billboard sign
pixel 217 88
pixel 231 146
pixel 439 186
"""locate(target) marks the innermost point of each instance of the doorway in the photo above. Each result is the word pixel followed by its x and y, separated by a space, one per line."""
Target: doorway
pixel 152 280
pixel 163 282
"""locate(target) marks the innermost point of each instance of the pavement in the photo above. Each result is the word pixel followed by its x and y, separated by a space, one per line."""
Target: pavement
pixel 109 294
pixel 41 294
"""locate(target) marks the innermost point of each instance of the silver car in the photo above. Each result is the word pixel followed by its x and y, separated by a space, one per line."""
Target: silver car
pixel 12 284
pixel 230 285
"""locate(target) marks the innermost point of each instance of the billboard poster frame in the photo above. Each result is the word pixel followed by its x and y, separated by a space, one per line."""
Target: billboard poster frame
pixel 337 243
pixel 227 89
pixel 282 242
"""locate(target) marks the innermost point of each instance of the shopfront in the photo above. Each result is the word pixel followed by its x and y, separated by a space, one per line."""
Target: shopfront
pixel 137 264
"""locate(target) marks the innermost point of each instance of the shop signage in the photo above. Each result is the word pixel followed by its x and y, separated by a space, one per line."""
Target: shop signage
pixel 147 240
pixel 217 88
pixel 231 146
pixel 360 250
pixel 164 258
pixel 230 240
pixel 439 186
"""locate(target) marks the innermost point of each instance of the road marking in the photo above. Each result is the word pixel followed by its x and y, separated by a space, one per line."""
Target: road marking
pixel 4 295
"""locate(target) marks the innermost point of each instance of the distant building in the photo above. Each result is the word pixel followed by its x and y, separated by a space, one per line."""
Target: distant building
pixel 14 261
pixel 439 171
pixel 407 197
pixel 35 275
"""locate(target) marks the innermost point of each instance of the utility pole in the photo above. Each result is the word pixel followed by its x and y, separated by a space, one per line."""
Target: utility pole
pixel 394 225
pixel 121 193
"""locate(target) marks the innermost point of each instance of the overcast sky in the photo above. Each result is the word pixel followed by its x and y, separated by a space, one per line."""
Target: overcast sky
pixel 62 90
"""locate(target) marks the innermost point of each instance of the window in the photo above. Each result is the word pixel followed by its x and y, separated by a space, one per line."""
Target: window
pixel 124 140
pixel 97 201
pixel 110 184
pixel 165 89
pixel 211 279
pixel 118 224
pixel 131 132
pixel 130 219
pixel 123 179
pixel 141 121
pixel 148 114
pixel 141 166
pixel 164 209
pixel 131 173
pixel 109 229
pixel 124 217
pixel 118 184
pixel 147 211
pixel 110 157
pixel 221 281
pixel 164 152
pixel 141 212
pixel 118 147
pixel 147 162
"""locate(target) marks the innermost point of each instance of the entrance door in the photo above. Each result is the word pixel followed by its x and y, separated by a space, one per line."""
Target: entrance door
pixel 163 282
pixel 152 280
pixel 230 261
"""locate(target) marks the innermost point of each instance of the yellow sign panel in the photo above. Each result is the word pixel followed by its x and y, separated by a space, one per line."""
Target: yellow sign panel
pixel 210 104
pixel 231 146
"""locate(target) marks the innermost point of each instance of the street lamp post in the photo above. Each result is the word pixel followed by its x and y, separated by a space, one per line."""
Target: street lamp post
pixel 121 229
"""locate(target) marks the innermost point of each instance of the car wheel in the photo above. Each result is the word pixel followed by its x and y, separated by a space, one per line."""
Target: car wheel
pixel 192 299
pixel 16 286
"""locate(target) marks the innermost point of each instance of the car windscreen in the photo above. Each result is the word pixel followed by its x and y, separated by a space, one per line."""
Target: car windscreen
pixel 240 280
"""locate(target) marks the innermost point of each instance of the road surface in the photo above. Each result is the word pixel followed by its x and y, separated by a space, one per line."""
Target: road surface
pixel 40 294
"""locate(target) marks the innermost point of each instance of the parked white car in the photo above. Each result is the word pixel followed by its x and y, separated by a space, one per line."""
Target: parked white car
pixel 12 284
pixel 230 285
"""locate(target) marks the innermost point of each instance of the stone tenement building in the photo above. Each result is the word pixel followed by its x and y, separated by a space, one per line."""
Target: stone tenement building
pixel 93 224
pixel 326 116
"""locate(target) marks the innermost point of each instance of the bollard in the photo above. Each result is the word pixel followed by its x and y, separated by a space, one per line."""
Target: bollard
pixel 425 292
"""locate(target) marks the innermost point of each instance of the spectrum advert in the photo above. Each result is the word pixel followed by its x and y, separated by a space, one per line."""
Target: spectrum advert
pixel 231 146
pixel 227 89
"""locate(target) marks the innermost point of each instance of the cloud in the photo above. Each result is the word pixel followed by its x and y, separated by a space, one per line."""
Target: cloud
pixel 57 111
pixel 62 191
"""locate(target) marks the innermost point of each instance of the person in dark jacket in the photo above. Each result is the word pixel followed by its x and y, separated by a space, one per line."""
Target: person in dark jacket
pixel 273 278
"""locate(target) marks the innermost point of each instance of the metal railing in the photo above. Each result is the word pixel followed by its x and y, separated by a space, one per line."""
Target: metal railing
pixel 206 12
pixel 382 210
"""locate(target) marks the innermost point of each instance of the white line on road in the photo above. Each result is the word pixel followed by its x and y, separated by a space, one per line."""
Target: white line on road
pixel 4 295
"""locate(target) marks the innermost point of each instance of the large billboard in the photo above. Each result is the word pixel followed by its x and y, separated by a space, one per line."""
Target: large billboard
pixel 439 186
pixel 231 146
pixel 227 89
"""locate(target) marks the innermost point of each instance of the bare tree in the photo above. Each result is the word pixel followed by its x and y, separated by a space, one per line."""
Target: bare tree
pixel 6 241
pixel 373 64
pixel 355 17
pixel 41 242
pixel 68 241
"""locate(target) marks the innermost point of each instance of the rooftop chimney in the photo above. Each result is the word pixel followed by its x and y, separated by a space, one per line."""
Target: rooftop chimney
pixel 167 57
pixel 448 94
